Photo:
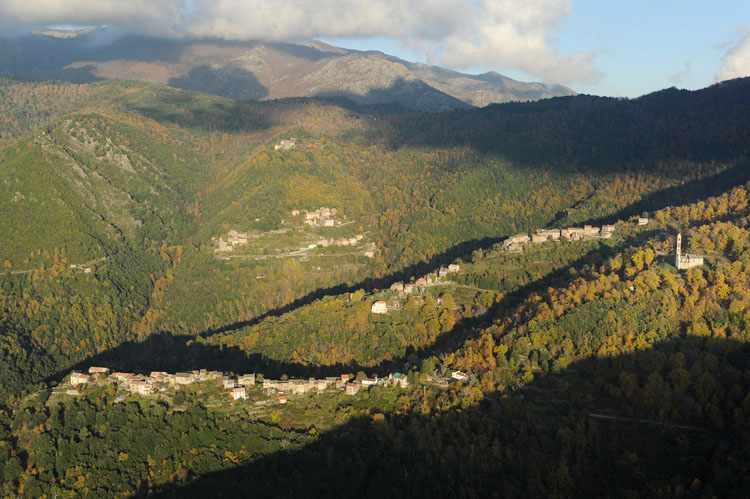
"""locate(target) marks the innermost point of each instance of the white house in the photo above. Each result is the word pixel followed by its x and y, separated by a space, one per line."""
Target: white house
pixel 379 307
pixel 239 393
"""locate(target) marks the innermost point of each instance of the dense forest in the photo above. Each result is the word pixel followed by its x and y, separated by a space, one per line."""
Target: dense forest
pixel 596 367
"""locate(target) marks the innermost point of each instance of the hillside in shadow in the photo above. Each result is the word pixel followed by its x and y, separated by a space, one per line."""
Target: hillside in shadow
pixel 228 81
pixel 170 352
pixel 661 130
pixel 581 432
pixel 686 193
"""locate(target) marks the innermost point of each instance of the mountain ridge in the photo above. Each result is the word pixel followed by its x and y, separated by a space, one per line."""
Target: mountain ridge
pixel 262 70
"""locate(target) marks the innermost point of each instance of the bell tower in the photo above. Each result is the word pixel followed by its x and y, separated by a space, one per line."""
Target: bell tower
pixel 678 250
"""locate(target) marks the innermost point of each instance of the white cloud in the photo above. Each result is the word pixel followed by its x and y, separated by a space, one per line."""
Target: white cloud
pixel 509 33
pixel 736 62
pixel 497 34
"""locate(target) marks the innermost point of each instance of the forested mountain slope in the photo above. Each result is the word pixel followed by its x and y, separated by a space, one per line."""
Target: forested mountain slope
pixel 115 197
pixel 620 377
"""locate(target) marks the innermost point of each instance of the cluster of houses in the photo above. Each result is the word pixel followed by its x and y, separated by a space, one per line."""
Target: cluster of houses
pixel 343 382
pixel 285 144
pixel 516 243
pixel 322 217
pixel 383 306
pixel 86 270
pixel 343 241
pixel 160 381
pixel 234 239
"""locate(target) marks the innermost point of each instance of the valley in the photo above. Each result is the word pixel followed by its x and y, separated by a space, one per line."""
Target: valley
pixel 514 264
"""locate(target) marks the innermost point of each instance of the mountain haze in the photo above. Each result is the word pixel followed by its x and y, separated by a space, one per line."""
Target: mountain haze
pixel 260 70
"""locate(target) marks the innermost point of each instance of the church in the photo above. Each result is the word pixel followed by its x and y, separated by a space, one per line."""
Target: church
pixel 686 261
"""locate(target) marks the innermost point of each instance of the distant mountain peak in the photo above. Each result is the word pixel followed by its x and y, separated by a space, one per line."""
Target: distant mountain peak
pixel 263 70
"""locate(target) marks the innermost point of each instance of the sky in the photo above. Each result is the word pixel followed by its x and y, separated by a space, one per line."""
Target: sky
pixel 603 47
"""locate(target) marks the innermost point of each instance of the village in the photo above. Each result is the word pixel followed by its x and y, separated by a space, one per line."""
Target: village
pixel 322 217
pixel 516 243
pixel 400 290
pixel 234 387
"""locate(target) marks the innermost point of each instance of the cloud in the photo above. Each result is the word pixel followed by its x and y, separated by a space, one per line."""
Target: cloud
pixel 498 34
pixel 681 75
pixel 509 33
pixel 736 62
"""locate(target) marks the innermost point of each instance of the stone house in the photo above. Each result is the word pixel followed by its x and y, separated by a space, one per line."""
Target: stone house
pixel 79 379
pixel 572 233
pixel 351 388
pixel 184 378
pixel 397 286
pixel 298 386
pixel 642 221
pixel 246 380
pixel 270 384
pixel 394 303
pixel 517 239
pixel 239 393
pixel 459 375
pixel 98 370
pixel 553 234
pixel 227 382
pixel 408 289
pixel 282 398
pixel 453 267
pixel 139 387
pixel 590 231
pixel 121 376
pixel 398 379
pixel 537 239
pixel 369 382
